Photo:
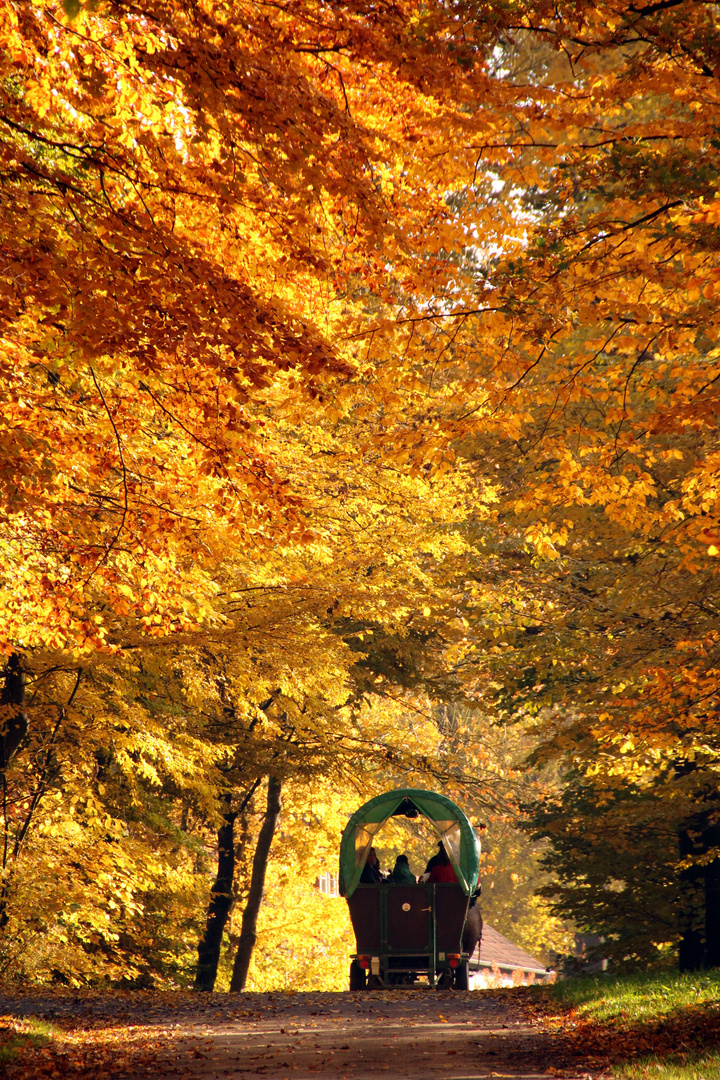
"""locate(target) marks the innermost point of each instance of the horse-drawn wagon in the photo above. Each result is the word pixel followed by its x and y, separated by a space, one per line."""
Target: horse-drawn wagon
pixel 406 932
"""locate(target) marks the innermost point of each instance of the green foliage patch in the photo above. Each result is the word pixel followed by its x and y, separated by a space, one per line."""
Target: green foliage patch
pixel 703 1067
pixel 631 999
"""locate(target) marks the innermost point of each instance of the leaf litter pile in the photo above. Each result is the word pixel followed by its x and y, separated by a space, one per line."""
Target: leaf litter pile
pixel 671 1020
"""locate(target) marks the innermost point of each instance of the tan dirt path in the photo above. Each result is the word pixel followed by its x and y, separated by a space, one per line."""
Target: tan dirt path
pixel 404 1034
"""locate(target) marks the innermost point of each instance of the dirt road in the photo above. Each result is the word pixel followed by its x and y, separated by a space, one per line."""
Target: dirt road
pixel 404 1034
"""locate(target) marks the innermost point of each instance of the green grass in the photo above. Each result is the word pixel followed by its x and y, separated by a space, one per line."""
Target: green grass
pixel 632 999
pixel 703 1067
pixel 35 1033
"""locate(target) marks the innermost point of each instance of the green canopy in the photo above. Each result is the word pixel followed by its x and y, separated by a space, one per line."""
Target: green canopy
pixel 457 834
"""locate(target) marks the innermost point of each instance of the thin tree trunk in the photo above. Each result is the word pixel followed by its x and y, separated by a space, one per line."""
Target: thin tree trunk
pixel 13 727
pixel 220 901
pixel 13 721
pixel 711 839
pixel 690 918
pixel 248 932
pixel 222 894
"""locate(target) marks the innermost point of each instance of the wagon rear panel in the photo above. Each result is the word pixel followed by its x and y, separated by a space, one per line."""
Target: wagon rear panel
pixel 409 918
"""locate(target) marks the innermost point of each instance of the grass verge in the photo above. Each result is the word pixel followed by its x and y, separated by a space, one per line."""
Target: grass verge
pixel 633 999
pixel 642 1027
pixel 702 1067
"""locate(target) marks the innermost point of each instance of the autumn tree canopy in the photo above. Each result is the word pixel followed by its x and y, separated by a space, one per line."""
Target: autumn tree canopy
pixel 354 357
pixel 607 355
pixel 216 489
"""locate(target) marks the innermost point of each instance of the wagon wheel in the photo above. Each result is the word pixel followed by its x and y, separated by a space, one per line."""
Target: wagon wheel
pixel 358 976
pixel 462 975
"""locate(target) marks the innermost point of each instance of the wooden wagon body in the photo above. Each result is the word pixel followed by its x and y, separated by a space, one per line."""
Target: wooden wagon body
pixel 407 932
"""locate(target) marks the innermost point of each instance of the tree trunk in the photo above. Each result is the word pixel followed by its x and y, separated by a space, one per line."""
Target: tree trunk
pixel 711 873
pixel 13 721
pixel 248 932
pixel 13 727
pixel 219 907
pixel 691 951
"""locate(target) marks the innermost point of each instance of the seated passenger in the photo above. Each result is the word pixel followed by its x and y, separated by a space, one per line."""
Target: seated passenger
pixel 434 859
pixel 401 872
pixel 371 870
pixel 442 869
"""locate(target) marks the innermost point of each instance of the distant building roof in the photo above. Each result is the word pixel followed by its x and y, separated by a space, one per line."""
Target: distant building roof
pixel 494 950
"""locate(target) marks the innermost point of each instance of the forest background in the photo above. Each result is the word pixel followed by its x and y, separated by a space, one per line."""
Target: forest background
pixel 358 430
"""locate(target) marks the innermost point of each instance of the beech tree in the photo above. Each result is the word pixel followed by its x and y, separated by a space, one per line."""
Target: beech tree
pixel 199 447
pixel 593 399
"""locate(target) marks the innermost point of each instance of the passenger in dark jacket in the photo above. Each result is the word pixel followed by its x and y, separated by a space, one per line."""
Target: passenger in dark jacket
pixel 436 858
pixel 371 870
pixel 401 872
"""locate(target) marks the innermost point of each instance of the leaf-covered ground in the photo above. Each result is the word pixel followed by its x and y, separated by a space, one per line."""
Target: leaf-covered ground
pixel 409 1034
pixel 592 1030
